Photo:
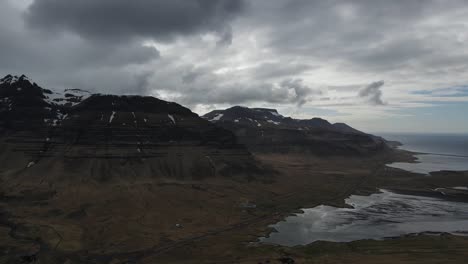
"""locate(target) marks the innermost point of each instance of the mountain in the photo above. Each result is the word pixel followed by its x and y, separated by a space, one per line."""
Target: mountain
pixel 346 129
pixel 82 136
pixel 92 178
pixel 95 178
pixel 265 130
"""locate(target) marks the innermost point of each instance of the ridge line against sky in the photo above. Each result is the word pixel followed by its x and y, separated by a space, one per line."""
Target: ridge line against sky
pixel 396 66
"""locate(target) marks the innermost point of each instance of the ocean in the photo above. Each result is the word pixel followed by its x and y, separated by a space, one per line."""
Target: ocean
pixel 387 214
pixel 451 144
pixel 377 216
pixel 438 151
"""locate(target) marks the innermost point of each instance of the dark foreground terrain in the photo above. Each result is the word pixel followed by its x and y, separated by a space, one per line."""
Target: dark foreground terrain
pixel 210 221
pixel 119 179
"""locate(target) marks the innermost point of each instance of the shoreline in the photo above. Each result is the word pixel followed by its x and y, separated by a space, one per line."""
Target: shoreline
pixel 302 181
pixel 455 196
pixel 441 154
pixel 437 194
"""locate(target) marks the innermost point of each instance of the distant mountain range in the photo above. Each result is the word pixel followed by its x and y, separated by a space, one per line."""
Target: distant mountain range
pixel 264 117
pixel 96 178
pixel 99 137
pixel 266 130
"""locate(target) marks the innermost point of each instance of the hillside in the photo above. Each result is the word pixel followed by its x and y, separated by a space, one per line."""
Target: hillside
pixel 82 136
pixel 265 130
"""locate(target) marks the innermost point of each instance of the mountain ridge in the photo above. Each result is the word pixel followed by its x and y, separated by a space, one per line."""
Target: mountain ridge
pixel 40 130
pixel 265 130
pixel 273 117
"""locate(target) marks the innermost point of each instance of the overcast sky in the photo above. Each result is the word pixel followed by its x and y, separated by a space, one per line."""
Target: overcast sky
pixel 377 65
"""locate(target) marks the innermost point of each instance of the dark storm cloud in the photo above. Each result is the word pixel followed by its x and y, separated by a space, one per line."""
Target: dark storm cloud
pixel 199 86
pixel 191 76
pixel 372 93
pixel 225 37
pixel 70 62
pixel 98 45
pixel 66 60
pixel 235 52
pixel 122 19
pixel 368 35
pixel 301 91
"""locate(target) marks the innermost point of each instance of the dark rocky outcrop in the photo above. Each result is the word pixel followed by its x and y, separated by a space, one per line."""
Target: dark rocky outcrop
pixel 265 130
pixel 48 136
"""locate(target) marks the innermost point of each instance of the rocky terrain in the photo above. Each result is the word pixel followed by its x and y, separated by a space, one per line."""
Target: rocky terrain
pixel 106 136
pixel 265 130
pixel 88 176
pixel 105 179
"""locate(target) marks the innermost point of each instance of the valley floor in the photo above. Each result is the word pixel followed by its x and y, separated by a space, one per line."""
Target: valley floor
pixel 213 221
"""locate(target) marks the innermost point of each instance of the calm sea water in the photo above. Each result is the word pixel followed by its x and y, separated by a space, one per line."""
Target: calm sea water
pixel 452 144
pixel 387 214
pixel 376 216
pixel 447 151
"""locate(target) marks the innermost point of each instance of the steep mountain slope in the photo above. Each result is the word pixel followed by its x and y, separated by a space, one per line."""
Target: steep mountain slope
pixel 265 130
pixel 90 178
pixel 85 178
pixel 81 136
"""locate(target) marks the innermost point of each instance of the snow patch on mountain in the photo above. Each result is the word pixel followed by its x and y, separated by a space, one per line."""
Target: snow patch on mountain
pixel 217 117
pixel 10 79
pixel 70 97
pixel 112 117
pixel 273 122
pixel 172 119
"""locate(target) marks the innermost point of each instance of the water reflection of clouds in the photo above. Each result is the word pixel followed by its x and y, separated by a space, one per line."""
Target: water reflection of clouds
pixel 374 217
pixel 427 163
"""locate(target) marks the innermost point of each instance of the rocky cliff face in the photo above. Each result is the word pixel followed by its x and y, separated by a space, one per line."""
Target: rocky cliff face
pixel 265 130
pixel 49 136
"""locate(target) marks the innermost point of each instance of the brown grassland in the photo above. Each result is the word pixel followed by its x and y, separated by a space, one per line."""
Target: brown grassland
pixel 206 222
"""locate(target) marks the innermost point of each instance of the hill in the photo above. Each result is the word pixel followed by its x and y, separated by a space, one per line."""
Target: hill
pixel 265 130
pixel 76 135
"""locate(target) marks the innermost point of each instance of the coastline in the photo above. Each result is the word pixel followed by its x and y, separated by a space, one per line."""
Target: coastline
pixel 418 186
pixel 302 181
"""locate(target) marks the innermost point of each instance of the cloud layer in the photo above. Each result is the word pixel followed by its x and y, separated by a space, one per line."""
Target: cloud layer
pixel 117 20
pixel 304 57
pixel 372 93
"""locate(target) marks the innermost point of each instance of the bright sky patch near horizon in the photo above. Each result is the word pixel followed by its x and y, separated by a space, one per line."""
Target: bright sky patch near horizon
pixel 386 66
